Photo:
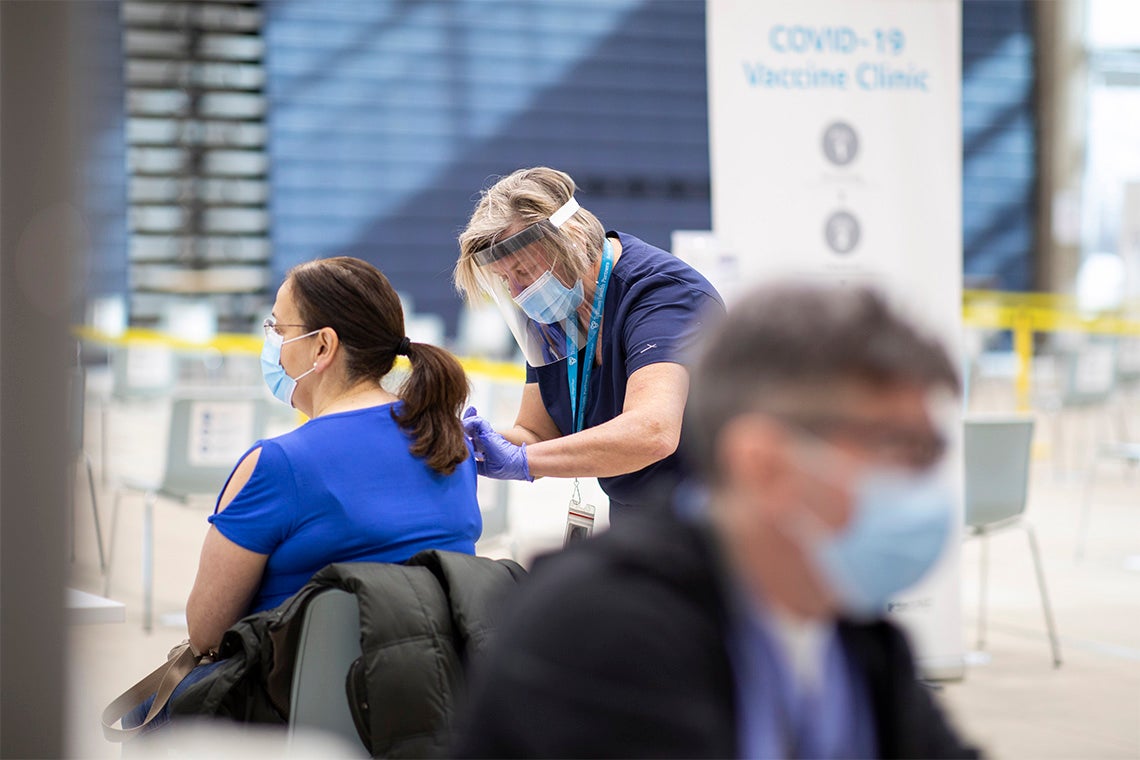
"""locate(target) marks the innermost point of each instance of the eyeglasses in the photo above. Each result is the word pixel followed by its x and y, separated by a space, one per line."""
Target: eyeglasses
pixel 907 445
pixel 271 323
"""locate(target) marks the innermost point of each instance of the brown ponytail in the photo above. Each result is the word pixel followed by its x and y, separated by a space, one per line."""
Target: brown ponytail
pixel 356 300
pixel 433 395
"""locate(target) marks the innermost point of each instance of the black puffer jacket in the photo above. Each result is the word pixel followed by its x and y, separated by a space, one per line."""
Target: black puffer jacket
pixel 421 623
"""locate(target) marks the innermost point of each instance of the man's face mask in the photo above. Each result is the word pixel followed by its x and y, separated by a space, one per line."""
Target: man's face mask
pixel 899 524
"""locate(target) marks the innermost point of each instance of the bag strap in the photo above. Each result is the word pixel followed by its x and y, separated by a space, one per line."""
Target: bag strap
pixel 160 682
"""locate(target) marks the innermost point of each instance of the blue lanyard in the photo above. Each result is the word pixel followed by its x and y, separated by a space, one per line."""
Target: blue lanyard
pixel 578 403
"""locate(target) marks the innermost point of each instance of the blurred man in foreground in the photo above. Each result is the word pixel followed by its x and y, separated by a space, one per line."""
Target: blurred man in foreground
pixel 744 620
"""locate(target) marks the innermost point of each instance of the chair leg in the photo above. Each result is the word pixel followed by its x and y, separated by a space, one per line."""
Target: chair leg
pixel 111 541
pixel 982 575
pixel 71 498
pixel 1058 444
pixel 148 561
pixel 1053 642
pixel 1086 500
pixel 95 514
pixel 103 414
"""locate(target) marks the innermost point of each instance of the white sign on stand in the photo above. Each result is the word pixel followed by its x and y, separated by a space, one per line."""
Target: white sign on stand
pixel 220 432
pixel 701 250
pixel 835 133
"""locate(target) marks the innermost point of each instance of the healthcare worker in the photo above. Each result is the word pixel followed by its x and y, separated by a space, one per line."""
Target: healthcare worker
pixel 604 320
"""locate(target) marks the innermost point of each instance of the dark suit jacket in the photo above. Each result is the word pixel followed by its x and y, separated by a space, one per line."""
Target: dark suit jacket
pixel 616 648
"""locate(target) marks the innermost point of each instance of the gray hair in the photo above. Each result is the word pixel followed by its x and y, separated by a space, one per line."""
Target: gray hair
pixel 785 347
pixel 521 199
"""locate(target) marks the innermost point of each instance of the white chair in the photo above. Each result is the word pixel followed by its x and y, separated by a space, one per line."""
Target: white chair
pixel 997 452
pixel 207 436
pixel 1124 446
pixel 139 374
pixel 1127 452
pixel 1124 449
pixel 76 396
pixel 329 643
pixel 1087 379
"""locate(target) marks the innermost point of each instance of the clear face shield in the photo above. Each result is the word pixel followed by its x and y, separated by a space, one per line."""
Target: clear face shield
pixel 531 290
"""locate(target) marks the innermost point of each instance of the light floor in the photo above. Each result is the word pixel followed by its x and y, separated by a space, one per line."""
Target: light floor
pixel 1011 701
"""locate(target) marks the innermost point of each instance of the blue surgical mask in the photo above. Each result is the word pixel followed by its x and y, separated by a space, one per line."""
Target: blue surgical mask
pixel 280 384
pixel 899 527
pixel 547 300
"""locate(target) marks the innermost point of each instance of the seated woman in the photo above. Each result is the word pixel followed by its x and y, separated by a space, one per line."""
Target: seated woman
pixel 371 477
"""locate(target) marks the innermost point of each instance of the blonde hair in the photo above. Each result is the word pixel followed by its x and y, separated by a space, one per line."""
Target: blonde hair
pixel 521 199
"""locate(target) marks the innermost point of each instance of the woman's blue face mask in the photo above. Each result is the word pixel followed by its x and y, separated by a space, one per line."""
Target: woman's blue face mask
pixel 547 300
pixel 280 384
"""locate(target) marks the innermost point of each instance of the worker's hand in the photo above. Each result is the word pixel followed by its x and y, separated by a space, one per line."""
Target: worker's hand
pixel 495 456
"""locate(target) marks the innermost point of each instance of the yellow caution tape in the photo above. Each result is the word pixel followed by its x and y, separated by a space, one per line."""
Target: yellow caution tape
pixel 1027 313
pixel 228 343
pixel 237 343
pixel 1043 312
pixel 1023 313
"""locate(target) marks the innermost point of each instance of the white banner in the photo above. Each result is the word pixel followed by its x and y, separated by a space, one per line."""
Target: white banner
pixel 835 132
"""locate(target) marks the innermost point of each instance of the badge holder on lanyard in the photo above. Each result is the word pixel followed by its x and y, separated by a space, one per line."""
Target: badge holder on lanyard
pixel 580 516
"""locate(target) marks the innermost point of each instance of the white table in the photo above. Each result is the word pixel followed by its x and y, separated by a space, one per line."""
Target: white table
pixel 89 608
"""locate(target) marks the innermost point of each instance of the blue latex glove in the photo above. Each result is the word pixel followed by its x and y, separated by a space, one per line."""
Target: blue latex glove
pixel 495 456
